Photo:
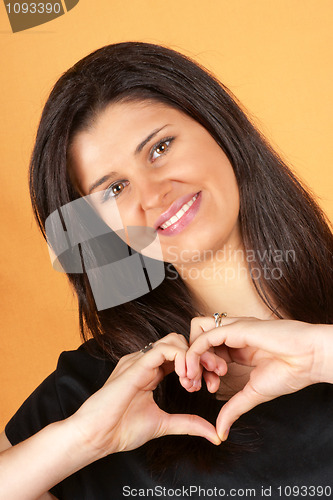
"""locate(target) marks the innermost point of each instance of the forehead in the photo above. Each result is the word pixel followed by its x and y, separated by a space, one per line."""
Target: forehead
pixel 116 131
pixel 127 120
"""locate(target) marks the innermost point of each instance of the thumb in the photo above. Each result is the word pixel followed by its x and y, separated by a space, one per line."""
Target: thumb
pixel 192 425
pixel 239 404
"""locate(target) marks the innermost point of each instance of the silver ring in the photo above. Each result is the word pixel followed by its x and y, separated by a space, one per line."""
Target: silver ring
pixel 147 348
pixel 218 318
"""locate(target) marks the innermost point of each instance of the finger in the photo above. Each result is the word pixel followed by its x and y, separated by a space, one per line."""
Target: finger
pixel 190 385
pixel 247 356
pixel 174 338
pixel 239 404
pixel 179 340
pixel 199 328
pixel 180 363
pixel 269 335
pixel 139 370
pixel 214 363
pixel 232 334
pixel 201 324
pixel 200 347
pixel 212 381
pixel 223 351
pixel 124 363
pixel 146 365
pixel 192 425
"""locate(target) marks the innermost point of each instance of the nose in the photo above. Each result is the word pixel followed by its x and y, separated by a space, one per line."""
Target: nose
pixel 152 192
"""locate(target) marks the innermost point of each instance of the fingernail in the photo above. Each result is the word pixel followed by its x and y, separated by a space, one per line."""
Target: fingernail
pixel 197 383
pixel 191 382
pixel 225 435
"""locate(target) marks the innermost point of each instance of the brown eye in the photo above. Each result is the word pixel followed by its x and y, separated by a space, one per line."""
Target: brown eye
pixel 114 190
pixel 117 188
pixel 161 148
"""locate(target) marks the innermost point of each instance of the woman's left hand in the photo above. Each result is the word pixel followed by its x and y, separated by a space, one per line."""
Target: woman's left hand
pixel 287 355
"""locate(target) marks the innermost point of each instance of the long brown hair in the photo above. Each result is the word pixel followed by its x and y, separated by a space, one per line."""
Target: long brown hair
pixel 276 211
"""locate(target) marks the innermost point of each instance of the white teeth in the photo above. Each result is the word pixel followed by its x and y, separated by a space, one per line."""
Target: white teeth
pixel 180 213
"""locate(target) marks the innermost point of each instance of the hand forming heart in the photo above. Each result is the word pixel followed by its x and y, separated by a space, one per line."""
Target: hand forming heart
pixel 123 415
pixel 285 355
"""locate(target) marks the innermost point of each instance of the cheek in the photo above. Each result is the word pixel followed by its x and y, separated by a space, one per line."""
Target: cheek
pixel 231 192
pixel 222 182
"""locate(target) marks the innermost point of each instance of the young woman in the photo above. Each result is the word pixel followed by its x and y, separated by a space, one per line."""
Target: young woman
pixel 150 139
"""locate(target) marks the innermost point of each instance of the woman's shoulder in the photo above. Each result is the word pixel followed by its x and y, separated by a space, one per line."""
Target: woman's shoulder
pixel 90 353
pixel 80 373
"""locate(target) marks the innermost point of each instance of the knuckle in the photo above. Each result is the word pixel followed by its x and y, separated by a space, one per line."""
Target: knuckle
pixel 169 337
pixel 192 419
pixel 124 359
pixel 160 345
pixel 176 338
pixel 181 337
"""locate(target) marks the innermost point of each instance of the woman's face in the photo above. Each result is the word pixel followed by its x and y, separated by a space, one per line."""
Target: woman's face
pixel 160 169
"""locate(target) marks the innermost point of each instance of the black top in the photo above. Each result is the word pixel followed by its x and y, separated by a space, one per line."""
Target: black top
pixel 294 459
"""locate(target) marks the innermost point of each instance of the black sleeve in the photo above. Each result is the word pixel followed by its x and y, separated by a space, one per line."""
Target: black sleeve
pixel 40 409
pixel 78 375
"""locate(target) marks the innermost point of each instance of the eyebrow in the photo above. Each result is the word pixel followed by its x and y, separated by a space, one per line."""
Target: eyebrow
pixel 138 150
pixel 142 144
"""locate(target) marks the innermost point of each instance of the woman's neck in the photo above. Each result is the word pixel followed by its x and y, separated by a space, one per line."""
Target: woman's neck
pixel 222 283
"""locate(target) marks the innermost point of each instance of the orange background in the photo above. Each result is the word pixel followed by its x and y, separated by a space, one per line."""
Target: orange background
pixel 275 56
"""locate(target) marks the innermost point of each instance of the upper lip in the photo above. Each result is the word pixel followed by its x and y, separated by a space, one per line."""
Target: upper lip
pixel 173 209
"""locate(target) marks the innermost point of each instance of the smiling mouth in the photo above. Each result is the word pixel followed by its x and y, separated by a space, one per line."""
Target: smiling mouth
pixel 179 214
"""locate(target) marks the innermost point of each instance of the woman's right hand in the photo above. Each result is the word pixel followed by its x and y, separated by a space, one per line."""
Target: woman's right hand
pixel 123 415
pixel 120 416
